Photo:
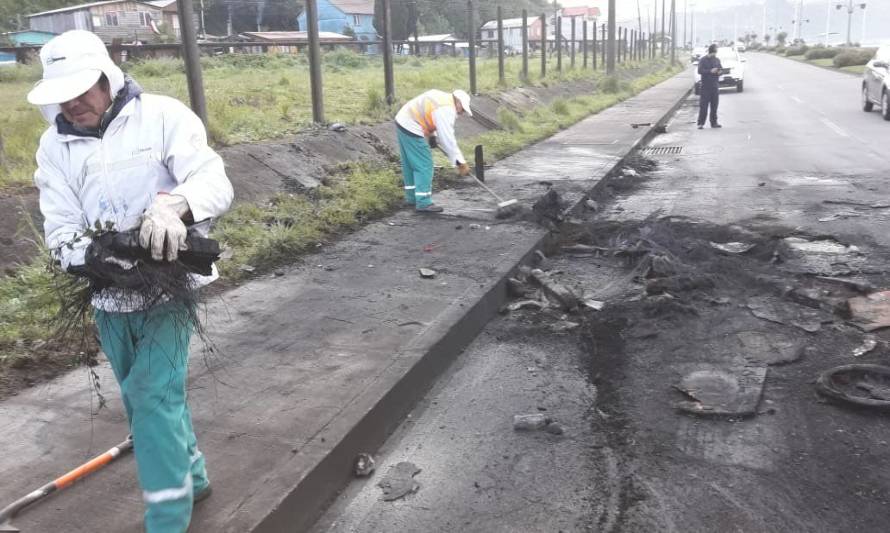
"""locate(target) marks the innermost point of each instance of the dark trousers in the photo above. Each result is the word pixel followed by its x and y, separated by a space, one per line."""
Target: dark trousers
pixel 710 96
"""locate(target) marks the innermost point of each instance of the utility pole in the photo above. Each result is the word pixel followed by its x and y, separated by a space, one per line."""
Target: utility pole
pixel 685 23
pixel 663 16
pixel 388 79
pixel 763 30
pixel 472 31
pixel 850 9
pixel 610 58
pixel 315 79
pixel 673 32
pixel 692 39
pixel 192 59
pixel 203 27
pixel 827 23
pixel 862 39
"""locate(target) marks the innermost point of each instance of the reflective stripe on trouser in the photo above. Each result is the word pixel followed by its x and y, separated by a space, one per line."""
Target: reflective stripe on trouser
pixel 417 168
pixel 148 352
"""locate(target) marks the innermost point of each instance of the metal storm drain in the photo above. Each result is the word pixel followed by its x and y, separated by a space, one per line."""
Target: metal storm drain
pixel 663 150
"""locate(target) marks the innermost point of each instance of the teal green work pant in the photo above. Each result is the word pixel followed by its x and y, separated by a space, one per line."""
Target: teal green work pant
pixel 417 168
pixel 148 352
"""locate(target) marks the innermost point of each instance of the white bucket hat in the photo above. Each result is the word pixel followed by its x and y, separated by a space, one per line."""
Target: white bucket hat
pixel 72 63
pixel 464 100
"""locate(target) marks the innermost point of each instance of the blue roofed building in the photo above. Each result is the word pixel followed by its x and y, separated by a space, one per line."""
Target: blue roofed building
pixel 22 38
pixel 346 17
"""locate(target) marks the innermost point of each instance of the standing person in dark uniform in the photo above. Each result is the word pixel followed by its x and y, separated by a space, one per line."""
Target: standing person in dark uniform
pixel 709 68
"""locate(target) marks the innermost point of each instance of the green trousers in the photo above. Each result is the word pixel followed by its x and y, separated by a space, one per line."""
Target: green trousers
pixel 417 168
pixel 148 352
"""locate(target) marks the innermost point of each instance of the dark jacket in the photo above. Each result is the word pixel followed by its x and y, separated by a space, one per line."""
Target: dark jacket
pixel 709 80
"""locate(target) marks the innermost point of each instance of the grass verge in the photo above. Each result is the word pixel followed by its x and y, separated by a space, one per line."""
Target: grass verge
pixel 264 236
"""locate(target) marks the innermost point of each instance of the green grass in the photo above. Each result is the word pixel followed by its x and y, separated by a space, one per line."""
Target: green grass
pixel 266 235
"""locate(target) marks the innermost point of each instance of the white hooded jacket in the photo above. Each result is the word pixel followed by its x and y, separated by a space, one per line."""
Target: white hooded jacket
pixel 154 144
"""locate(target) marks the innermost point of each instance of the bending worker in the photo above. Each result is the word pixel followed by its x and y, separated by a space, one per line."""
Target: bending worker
pixel 424 123
pixel 709 68
pixel 115 155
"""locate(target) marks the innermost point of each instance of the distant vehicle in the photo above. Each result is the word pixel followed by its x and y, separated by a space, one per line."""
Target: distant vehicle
pixel 733 73
pixel 876 83
pixel 698 53
pixel 740 48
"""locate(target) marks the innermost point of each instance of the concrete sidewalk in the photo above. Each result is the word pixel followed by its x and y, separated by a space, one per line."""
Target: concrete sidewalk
pixel 321 363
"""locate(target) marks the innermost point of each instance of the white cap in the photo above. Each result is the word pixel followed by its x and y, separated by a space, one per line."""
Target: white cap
pixel 464 100
pixel 72 63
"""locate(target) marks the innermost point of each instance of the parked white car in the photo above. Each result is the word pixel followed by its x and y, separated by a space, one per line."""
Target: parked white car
pixel 733 73
pixel 876 83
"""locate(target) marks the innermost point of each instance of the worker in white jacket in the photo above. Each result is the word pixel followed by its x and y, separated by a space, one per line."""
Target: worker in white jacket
pixel 422 124
pixel 113 154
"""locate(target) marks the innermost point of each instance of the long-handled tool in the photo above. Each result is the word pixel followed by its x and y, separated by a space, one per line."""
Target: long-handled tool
pixel 60 483
pixel 505 207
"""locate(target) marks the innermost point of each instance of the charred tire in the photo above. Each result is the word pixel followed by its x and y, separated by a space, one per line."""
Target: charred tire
pixel 740 86
pixel 867 106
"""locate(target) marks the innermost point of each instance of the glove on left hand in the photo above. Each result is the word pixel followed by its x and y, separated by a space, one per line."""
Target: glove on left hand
pixel 163 231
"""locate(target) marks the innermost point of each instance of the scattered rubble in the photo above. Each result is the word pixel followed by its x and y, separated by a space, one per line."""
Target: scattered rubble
pixel 769 349
pixel 535 305
pixel 532 422
pixel 733 391
pixel 364 465
pixel 399 481
pixel 871 312
pixel 733 248
pixel 427 273
pixel 555 292
pixel 770 310
pixel 868 344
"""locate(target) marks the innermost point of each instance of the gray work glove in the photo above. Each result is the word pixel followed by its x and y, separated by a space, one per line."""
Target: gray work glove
pixel 163 232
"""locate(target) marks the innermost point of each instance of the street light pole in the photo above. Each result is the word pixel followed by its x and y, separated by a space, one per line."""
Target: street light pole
pixel 850 9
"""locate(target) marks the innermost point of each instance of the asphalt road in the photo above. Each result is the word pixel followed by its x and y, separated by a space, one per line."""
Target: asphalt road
pixel 796 156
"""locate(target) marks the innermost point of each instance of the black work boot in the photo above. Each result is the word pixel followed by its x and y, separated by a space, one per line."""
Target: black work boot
pixel 432 208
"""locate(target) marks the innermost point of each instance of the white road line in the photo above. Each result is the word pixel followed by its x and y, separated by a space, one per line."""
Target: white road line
pixel 834 127
pixel 796 99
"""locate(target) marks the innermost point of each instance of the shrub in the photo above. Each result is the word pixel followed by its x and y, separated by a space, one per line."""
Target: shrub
pixel 28 73
pixel 345 58
pixel 610 85
pixel 375 102
pixel 154 68
pixel 509 120
pixel 853 56
pixel 560 107
pixel 796 50
pixel 821 52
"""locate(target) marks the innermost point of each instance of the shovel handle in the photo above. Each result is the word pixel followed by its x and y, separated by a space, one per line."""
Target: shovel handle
pixel 92 465
pixel 64 481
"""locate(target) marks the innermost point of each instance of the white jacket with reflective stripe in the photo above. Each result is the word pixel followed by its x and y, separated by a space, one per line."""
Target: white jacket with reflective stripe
pixel 155 144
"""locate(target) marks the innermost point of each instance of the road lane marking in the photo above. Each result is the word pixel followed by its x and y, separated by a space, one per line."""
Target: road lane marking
pixel 834 127
pixel 796 99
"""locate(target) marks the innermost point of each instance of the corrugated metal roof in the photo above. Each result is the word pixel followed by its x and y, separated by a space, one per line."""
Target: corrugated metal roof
pixel 294 36
pixel 508 23
pixel 81 7
pixel 581 12
pixel 354 7
pixel 160 3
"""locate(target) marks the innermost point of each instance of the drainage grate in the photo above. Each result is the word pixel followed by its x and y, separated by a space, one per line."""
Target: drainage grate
pixel 663 150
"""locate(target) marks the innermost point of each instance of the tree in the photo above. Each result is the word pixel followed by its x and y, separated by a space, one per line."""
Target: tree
pixel 780 38
pixel 766 39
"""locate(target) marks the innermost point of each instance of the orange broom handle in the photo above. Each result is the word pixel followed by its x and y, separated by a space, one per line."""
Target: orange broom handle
pixel 91 466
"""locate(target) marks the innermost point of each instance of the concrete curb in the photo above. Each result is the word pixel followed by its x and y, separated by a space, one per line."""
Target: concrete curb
pixel 435 351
